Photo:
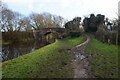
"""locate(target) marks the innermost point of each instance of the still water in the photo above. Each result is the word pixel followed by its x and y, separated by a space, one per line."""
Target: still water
pixel 11 51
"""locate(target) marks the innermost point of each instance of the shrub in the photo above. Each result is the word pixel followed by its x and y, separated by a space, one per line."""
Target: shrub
pixel 16 37
pixel 75 34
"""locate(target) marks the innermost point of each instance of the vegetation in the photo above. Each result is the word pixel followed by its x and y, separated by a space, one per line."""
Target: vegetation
pixel 17 27
pixel 103 59
pixel 105 30
pixel 91 24
pixel 2 42
pixel 75 34
pixel 52 61
pixel 14 21
pixel 73 27
pixel 17 37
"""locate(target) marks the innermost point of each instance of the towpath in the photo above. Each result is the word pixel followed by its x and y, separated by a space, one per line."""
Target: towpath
pixel 80 63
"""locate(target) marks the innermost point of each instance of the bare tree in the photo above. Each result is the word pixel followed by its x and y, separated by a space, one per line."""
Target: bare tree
pixel 59 21
pixel 16 21
pixel 36 21
pixel 7 18
pixel 46 20
pixel 24 24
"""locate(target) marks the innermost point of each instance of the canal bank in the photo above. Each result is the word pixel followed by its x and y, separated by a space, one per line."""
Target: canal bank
pixel 51 61
pixel 11 51
pixel 19 46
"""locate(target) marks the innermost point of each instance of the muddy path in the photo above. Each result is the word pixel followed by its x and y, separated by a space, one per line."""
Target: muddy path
pixel 80 63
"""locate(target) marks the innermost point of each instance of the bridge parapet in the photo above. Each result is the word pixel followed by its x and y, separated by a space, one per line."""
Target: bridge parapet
pixel 46 30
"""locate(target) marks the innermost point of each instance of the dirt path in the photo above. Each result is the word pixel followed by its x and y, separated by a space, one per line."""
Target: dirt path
pixel 80 61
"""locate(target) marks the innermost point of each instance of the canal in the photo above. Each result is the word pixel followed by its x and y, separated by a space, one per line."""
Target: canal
pixel 15 50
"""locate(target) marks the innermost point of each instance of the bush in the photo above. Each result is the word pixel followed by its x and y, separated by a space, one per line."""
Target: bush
pixel 75 34
pixel 16 37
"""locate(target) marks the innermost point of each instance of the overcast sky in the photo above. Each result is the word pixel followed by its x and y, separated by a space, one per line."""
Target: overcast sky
pixel 65 8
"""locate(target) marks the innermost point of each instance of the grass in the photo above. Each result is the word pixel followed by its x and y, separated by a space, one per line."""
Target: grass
pixel 103 59
pixel 51 61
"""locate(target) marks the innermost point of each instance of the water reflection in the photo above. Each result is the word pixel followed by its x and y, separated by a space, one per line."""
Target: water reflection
pixel 14 50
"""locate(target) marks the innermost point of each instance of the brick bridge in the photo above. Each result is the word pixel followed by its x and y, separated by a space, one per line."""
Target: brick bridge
pixel 45 31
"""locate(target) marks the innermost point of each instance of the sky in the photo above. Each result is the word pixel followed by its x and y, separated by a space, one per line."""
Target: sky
pixel 65 8
pixel 119 8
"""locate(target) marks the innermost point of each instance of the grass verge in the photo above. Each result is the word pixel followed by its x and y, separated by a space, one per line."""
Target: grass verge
pixel 103 59
pixel 51 61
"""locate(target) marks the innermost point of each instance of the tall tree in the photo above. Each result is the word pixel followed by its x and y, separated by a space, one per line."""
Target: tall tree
pixel 73 25
pixel 36 21
pixel 92 23
pixel 46 20
pixel 24 24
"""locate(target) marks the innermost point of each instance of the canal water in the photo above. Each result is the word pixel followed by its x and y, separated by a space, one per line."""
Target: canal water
pixel 15 50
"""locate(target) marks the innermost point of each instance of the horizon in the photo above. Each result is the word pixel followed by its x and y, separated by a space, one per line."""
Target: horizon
pixel 65 8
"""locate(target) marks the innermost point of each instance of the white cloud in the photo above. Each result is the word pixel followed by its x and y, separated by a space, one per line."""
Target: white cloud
pixel 15 1
pixel 66 3
pixel 65 8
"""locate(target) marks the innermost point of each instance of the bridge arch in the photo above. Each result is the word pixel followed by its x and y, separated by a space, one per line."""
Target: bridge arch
pixel 48 33
pixel 51 36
